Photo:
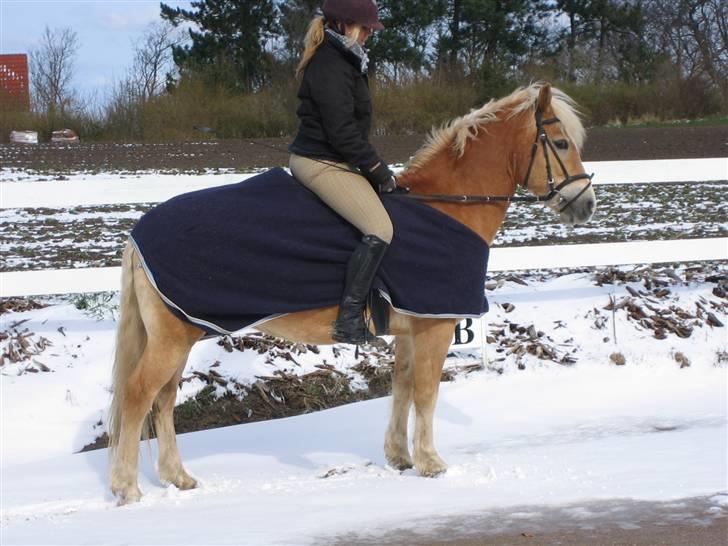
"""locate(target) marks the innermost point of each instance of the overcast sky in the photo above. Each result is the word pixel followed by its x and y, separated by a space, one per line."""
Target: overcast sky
pixel 105 28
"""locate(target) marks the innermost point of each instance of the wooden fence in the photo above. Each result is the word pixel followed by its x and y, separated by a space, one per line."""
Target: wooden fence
pixel 98 192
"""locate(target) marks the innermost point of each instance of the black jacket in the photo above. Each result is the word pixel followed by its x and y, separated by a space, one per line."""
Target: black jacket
pixel 336 111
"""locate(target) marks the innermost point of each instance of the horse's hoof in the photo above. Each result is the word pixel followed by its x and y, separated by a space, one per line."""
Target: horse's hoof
pixel 181 480
pixel 431 468
pixel 185 483
pixel 433 473
pixel 400 462
pixel 127 496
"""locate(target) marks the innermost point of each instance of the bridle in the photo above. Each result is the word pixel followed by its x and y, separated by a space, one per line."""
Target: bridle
pixel 554 190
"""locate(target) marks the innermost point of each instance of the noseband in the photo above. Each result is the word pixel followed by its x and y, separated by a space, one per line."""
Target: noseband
pixel 547 143
pixel 554 190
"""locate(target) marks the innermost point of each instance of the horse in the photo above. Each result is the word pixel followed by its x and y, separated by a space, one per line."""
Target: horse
pixel 531 138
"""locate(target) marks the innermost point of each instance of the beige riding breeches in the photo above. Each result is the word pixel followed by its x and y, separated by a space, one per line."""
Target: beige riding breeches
pixel 346 192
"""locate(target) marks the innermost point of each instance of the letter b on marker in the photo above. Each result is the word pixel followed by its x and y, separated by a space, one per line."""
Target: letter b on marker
pixel 463 332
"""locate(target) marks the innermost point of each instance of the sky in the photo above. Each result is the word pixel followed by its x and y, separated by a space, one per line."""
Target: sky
pixel 106 31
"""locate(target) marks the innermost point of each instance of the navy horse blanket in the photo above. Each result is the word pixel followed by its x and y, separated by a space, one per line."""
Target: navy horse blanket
pixel 234 256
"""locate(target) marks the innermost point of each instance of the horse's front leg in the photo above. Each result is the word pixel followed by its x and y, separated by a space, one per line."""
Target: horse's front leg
pixel 395 441
pixel 432 339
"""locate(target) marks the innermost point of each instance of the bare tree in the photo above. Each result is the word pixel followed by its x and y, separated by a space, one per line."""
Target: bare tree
pixel 51 70
pixel 153 59
pixel 706 21
pixel 144 79
pixel 694 34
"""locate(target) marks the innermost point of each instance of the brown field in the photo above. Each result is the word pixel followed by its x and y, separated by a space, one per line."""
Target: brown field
pixel 603 144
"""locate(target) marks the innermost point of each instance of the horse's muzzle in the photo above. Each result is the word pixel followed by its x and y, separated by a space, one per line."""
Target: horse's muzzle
pixel 575 203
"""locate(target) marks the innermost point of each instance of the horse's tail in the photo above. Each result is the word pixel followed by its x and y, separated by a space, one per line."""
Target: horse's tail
pixel 131 339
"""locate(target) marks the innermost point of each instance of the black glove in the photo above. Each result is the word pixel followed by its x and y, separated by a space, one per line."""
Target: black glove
pixel 392 186
pixel 389 185
pixel 380 177
pixel 383 180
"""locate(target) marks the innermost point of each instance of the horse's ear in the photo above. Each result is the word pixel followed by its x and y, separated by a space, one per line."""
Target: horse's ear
pixel 544 97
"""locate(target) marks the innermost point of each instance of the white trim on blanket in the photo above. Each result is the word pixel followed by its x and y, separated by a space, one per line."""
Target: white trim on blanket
pixel 223 331
pixel 386 296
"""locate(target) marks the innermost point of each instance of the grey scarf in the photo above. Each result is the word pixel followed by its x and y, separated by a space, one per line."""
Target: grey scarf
pixel 354 47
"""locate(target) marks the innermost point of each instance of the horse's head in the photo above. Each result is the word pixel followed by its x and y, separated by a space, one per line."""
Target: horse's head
pixel 554 171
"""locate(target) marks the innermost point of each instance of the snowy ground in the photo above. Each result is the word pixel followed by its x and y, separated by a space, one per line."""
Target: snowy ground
pixel 547 434
pixel 523 432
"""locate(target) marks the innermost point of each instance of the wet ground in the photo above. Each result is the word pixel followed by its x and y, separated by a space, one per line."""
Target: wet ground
pixel 684 522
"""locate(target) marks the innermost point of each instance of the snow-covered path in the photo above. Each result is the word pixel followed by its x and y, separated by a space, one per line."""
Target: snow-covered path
pixel 541 437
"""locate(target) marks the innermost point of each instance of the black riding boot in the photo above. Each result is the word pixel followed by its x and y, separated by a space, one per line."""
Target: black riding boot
pixel 363 264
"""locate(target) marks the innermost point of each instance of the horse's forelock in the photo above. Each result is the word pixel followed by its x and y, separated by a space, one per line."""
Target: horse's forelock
pixel 565 108
pixel 456 134
pixel 567 111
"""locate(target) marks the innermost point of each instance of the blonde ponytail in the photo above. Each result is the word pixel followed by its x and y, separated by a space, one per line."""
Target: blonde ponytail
pixel 314 38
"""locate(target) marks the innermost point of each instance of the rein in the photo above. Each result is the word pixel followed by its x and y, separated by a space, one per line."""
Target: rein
pixel 554 189
pixel 477 198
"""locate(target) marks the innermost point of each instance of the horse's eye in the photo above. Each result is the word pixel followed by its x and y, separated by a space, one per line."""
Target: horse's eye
pixel 562 144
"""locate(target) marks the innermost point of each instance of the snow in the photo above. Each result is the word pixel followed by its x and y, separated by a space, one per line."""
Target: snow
pixel 61 281
pixel 658 170
pixel 23 190
pixel 547 435
pixel 594 434
pixel 99 189
pixel 584 255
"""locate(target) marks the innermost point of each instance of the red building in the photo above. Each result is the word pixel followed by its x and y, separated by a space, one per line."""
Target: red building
pixel 14 91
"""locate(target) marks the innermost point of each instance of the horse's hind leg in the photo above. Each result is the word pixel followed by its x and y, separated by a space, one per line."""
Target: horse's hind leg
pixel 395 441
pixel 155 369
pixel 168 343
pixel 432 342
pixel 170 463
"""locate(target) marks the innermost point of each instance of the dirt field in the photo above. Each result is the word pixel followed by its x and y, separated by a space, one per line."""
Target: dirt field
pixel 602 145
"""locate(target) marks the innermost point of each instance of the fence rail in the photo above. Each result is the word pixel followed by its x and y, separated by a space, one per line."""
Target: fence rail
pixel 71 281
pixel 102 189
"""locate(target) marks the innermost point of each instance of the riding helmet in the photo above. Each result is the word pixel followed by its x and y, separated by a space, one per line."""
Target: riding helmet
pixel 363 12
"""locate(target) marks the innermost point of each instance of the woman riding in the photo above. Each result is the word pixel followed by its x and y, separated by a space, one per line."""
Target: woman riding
pixel 331 154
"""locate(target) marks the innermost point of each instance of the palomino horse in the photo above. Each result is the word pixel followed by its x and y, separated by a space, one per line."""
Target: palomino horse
pixel 531 138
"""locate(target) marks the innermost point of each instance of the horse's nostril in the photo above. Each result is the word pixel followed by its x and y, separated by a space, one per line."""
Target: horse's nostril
pixel 591 205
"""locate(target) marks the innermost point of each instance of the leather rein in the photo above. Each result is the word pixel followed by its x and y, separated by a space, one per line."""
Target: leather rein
pixel 554 190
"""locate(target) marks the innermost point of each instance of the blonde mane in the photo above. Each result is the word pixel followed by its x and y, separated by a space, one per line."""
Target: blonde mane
pixel 459 131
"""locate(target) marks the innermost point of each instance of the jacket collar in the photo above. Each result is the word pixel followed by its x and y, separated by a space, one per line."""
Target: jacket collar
pixel 355 53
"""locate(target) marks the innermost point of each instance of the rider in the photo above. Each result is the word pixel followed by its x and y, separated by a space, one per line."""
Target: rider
pixel 331 154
